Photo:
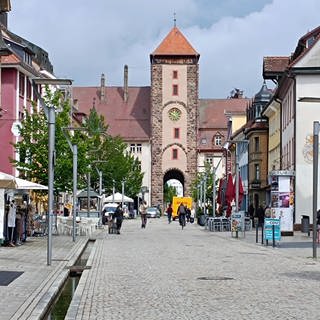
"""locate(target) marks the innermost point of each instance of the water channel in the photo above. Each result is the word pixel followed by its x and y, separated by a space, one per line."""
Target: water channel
pixel 60 305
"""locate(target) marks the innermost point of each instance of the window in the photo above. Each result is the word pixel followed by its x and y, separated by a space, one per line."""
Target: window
pixel 209 159
pixel 175 90
pixel 175 74
pixel 218 140
pixel 139 148
pixel 174 154
pixel 132 148
pixel 28 90
pixel 176 133
pixel 203 141
pixel 257 172
pixel 256 144
pixel 21 83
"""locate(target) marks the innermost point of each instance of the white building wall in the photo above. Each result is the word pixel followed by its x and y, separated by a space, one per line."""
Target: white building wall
pixel 145 158
pixel 306 114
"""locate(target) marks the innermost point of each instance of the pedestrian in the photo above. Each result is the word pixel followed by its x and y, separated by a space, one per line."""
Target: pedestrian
pixel 143 213
pixel 181 213
pixel 169 212
pixel 267 212
pixel 251 213
pixel 11 222
pixel 260 215
pixel 118 216
pixel 318 225
pixel 188 214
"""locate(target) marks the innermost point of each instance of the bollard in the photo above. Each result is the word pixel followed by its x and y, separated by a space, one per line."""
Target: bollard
pixel 257 233
pixel 273 237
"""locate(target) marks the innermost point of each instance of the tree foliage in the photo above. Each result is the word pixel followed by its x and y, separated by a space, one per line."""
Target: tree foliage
pixel 96 150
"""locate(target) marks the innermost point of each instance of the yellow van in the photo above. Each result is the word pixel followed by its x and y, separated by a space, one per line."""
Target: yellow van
pixel 187 201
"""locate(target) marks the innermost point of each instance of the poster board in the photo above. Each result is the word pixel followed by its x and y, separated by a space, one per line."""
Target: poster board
pixel 282 198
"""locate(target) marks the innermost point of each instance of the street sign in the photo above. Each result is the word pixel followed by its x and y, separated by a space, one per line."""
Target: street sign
pixel 272 225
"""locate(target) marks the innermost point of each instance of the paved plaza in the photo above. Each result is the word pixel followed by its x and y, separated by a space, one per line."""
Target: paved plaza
pixel 163 272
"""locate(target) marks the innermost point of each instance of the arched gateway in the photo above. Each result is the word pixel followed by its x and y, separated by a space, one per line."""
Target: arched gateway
pixel 174 108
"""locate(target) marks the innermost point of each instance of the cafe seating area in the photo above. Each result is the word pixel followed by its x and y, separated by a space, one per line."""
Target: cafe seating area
pixel 84 226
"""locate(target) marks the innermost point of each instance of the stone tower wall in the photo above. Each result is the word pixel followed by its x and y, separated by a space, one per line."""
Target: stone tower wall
pixel 157 106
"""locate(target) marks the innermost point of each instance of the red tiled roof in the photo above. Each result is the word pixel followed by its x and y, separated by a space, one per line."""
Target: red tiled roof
pixel 275 64
pixel 130 120
pixel 175 43
pixel 213 118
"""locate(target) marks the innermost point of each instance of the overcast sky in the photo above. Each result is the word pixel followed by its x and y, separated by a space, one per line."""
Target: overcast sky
pixel 86 38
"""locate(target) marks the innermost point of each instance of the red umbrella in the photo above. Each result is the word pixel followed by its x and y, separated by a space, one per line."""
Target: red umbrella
pixel 220 196
pixel 241 191
pixel 229 194
pixel 230 189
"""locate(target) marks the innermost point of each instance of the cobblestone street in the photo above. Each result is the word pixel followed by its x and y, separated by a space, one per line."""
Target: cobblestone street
pixel 163 272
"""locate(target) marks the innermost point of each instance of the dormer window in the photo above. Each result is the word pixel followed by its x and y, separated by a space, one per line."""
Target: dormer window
pixel 310 42
pixel 203 141
pixel 27 58
pixel 217 140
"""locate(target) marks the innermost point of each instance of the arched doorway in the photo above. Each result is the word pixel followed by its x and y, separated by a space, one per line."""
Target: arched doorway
pixel 176 179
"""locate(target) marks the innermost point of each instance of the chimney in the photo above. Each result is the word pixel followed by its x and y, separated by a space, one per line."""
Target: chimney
pixel 103 88
pixel 5 7
pixel 125 84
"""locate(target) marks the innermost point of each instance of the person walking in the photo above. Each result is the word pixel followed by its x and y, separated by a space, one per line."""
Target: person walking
pixel 169 212
pixel 260 215
pixel 143 213
pixel 181 212
pixel 12 223
pixel 118 216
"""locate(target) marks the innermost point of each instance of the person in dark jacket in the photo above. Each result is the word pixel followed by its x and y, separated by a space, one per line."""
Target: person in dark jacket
pixel 260 215
pixel 118 215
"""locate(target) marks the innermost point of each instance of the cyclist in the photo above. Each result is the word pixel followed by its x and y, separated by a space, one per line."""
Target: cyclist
pixel 182 215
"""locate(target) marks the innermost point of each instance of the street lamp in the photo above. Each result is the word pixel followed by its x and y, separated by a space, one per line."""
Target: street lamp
pixel 316 129
pixel 74 150
pixel 51 116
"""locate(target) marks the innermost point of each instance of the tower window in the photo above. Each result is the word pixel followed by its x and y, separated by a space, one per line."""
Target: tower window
pixel 175 74
pixel 256 144
pixel 218 140
pixel 175 90
pixel 174 154
pixel 176 133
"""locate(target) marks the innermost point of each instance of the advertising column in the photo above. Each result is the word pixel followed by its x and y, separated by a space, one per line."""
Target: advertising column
pixel 282 199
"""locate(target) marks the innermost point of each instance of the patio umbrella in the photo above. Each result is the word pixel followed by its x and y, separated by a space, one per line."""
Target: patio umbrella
pixel 220 195
pixel 28 185
pixel 241 191
pixel 117 197
pixel 7 181
pixel 229 194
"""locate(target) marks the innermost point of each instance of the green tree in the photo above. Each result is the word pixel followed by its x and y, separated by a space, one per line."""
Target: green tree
pixel 168 193
pixel 33 146
pixel 108 154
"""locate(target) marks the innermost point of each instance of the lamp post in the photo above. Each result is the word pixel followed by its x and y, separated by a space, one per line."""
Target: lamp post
pixel 88 190
pixel 51 116
pixel 122 185
pixel 316 129
pixel 74 150
pixel 214 168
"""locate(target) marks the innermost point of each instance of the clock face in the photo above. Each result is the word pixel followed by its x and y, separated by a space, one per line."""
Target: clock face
pixel 174 114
